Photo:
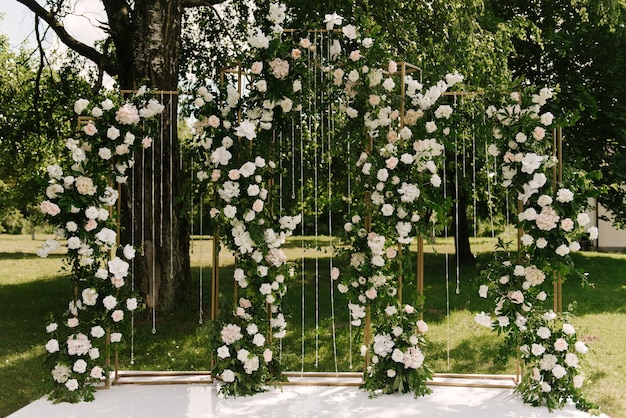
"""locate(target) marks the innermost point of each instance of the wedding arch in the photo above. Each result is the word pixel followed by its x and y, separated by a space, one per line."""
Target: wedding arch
pixel 320 132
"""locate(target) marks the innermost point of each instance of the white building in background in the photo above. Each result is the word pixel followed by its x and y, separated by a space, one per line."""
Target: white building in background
pixel 609 238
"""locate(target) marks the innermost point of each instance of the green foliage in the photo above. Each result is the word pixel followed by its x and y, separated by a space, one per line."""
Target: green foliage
pixel 574 49
pixel 34 122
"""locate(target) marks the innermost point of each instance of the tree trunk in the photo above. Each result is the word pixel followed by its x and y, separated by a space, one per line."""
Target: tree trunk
pixel 154 216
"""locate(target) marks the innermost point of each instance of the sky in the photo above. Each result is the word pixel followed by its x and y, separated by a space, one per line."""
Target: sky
pixel 18 22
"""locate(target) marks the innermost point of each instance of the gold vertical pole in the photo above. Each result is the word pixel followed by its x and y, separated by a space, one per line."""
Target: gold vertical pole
pixel 402 91
pixel 557 177
pixel 554 154
pixel 400 273
pixel 108 359
pixel 367 334
pixel 520 231
pixel 420 271
pixel 215 276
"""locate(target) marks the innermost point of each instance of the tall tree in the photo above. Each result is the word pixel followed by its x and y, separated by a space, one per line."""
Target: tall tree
pixel 143 47
pixel 34 122
pixel 578 50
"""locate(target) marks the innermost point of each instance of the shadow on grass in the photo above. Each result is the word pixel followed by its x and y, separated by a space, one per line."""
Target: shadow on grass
pixel 470 355
pixel 21 382
pixel 27 256
pixel 24 309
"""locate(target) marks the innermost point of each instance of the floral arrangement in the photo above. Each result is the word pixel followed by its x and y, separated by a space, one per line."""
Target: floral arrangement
pixel 397 363
pixel 237 171
pixel 80 202
pixel 552 353
pixel 551 219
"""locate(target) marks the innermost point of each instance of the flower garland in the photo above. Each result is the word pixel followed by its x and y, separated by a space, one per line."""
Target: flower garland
pixel 552 219
pixel 79 202
pixel 238 174
pixel 397 363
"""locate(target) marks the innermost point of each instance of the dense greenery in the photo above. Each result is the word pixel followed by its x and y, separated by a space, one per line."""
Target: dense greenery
pixel 574 47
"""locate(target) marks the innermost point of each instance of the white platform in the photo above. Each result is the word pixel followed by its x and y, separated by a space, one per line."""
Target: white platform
pixel 202 401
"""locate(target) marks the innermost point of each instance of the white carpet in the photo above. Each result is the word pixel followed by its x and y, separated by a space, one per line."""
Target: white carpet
pixel 202 400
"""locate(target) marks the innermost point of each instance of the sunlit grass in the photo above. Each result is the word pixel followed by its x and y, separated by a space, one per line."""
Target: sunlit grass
pixel 31 287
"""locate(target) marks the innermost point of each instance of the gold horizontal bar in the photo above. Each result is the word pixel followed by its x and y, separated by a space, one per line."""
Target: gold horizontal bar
pixel 474 376
pixel 163 373
pixel 323 374
pixel 472 385
pixel 151 91
pixel 321 383
pixel 164 382
pixel 463 93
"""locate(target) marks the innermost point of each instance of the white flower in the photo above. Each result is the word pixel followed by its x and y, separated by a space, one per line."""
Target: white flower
pixel 131 304
pixel 107 236
pixel 578 381
pixel 444 111
pixel 547 118
pixel 531 162
pixel 387 209
pixel 73 243
pixel 562 250
pixel 482 291
pixel 331 20
pixel 583 219
pixel 537 349
pixel 228 376
pixel 349 31
pixel 71 385
pixel 593 233
pixel 118 267
pixel 223 352
pixel 580 347
pixel 230 211
pixel 97 331
pixel 51 327
pixel 560 344
pixel 571 360
pixel 90 296
pixel 388 84
pixel 257 39
pixel 483 319
pixel 247 129
pixel 80 366
pixel 421 325
pixel 129 252
pixel 53 190
pixel 559 371
pixel 116 337
pixel 544 332
pixel 397 356
pixel 52 346
pixel 109 302
pixel 549 316
pixel 258 340
pixel 221 156
pixel 564 195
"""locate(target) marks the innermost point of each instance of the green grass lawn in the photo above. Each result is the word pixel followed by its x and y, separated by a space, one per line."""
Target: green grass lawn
pixel 31 288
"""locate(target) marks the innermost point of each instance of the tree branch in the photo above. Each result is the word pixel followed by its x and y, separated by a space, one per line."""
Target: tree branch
pixel 198 3
pixel 72 43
